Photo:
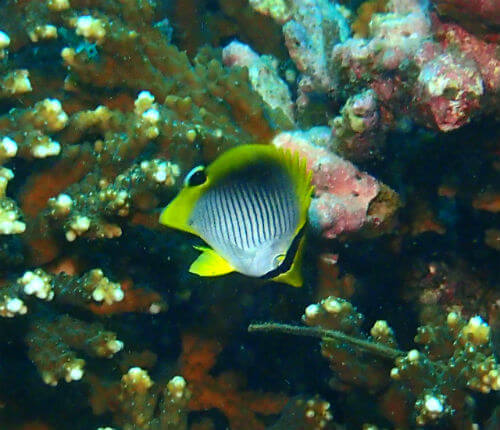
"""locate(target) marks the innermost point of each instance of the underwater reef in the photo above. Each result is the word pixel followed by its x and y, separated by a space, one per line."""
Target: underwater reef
pixel 393 106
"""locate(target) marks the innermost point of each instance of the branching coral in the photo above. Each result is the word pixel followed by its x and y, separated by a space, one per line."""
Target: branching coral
pixel 124 102
pixel 307 414
pixel 101 114
pixel 175 102
pixel 93 287
pixel 138 403
pixel 456 357
pixel 51 347
pixel 222 392
pixel 142 405
pixel 51 343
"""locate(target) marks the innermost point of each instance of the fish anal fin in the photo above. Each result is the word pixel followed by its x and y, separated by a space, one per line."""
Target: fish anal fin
pixel 293 276
pixel 209 263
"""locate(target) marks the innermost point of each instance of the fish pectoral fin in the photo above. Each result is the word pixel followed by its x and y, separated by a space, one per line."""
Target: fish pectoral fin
pixel 209 263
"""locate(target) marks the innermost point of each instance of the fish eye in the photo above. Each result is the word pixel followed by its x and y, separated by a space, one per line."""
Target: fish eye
pixel 196 176
pixel 278 259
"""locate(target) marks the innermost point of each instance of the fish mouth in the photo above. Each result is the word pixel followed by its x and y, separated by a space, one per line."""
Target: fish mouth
pixel 288 261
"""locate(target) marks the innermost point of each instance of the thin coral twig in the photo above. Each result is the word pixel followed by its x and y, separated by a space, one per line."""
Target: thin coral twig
pixel 317 332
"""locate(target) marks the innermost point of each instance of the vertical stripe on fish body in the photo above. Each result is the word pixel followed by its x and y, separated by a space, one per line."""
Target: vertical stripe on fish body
pixel 250 206
pixel 249 218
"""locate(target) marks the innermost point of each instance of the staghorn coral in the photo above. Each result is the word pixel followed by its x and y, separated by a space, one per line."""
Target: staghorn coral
pixel 305 413
pixel 30 129
pixel 136 402
pixel 10 215
pixel 13 82
pixel 112 179
pixel 145 405
pixel 456 358
pixel 196 104
pixel 91 289
pixel 51 343
pixel 88 208
pixel 222 391
pixel 51 347
pixel 350 366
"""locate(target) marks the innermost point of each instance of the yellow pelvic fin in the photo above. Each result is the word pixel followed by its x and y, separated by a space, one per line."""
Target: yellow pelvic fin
pixel 209 263
pixel 294 275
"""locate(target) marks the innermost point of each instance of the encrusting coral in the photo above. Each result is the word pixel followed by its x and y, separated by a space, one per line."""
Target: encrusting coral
pixel 418 68
pixel 343 195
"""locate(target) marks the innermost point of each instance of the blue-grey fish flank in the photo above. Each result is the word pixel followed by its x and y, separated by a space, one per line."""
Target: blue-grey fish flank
pixel 243 214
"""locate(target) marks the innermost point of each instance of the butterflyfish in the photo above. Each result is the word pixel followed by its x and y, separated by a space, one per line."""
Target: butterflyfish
pixel 250 207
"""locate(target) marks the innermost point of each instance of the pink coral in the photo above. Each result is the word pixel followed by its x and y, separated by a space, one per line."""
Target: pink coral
pixel 434 74
pixel 448 87
pixel 358 131
pixel 483 53
pixel 394 37
pixel 448 91
pixel 342 193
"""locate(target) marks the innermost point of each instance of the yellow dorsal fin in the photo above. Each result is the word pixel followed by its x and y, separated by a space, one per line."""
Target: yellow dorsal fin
pixel 236 159
pixel 209 263
pixel 301 178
